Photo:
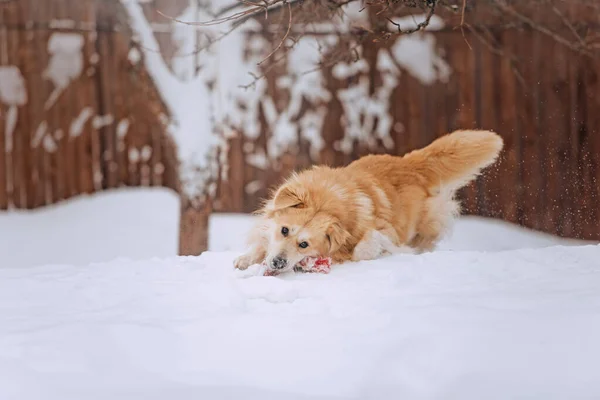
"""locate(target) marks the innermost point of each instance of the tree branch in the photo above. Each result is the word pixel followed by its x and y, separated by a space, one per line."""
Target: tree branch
pixel 421 25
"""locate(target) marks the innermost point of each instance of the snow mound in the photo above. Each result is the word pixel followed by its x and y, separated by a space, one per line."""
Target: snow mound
pixel 444 325
pixel 132 223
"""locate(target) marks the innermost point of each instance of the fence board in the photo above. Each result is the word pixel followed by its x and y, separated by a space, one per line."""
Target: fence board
pixel 557 122
pixel 39 87
pixel 87 101
pixel 592 91
pixel 4 165
pixel 463 60
pixel 400 114
pixel 509 188
pixel 489 188
pixel 17 186
pixel 526 100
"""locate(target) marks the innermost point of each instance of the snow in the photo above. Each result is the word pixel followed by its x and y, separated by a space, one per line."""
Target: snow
pixel 10 124
pixel 100 121
pixel 498 312
pixel 79 122
pixel 131 223
pixel 410 22
pixel 463 325
pixel 66 62
pixel 49 144
pixel 366 112
pixel 418 55
pixel 188 103
pixel 122 128
pixel 12 86
pixel 39 134
pixel 134 56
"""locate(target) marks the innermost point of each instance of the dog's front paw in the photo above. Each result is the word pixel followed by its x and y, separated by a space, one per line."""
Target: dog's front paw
pixel 242 262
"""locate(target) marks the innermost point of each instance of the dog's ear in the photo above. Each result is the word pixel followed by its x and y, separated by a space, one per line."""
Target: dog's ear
pixel 337 236
pixel 286 197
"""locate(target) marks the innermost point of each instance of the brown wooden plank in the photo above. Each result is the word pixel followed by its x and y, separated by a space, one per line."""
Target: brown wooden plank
pixel 122 106
pixel 87 98
pixel 35 107
pixel 527 98
pixel 233 189
pixel 492 183
pixel 555 130
pixel 546 119
pixel 414 96
pixel 4 168
pixel 126 121
pixel 584 154
pixel 16 57
pixel 401 116
pixel 463 62
pixel 57 135
pixel 508 127
pixel 3 158
pixel 106 84
pixel 66 145
pixel 157 156
pixel 572 190
pixel 592 150
pixel 580 147
pixel 44 186
pixel 437 111
pixel 97 172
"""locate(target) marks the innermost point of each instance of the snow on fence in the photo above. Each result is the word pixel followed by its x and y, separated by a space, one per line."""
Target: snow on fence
pixel 80 113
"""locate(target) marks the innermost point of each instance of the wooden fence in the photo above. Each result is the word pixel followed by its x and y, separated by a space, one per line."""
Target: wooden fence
pixel 88 119
pixel 102 128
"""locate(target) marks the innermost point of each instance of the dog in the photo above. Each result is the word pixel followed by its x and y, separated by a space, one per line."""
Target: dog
pixel 377 205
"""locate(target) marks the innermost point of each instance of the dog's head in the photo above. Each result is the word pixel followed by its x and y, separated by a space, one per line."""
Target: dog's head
pixel 300 227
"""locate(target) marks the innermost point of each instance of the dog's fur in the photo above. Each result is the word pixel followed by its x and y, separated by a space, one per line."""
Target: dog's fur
pixel 376 205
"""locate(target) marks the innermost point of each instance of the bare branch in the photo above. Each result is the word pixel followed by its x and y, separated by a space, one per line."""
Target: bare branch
pixel 462 23
pixel 542 29
pixel 284 36
pixel 568 25
pixel 421 25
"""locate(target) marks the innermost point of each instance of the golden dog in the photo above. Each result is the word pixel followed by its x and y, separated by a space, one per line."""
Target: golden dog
pixel 377 205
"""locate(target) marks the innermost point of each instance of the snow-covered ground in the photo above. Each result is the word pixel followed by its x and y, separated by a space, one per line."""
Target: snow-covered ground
pixel 497 315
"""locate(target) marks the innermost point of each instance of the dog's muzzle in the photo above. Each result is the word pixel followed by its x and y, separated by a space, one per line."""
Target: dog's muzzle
pixel 278 263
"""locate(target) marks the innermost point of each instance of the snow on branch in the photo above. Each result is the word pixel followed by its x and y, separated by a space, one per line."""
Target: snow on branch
pixel 192 126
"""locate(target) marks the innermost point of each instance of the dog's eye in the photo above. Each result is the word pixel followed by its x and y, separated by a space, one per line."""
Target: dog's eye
pixel 303 245
pixel 285 231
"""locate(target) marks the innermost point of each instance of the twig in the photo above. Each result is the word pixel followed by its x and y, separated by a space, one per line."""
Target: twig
pixel 420 25
pixel 462 23
pixel 287 33
pixel 274 6
pixel 528 21
pixel 569 25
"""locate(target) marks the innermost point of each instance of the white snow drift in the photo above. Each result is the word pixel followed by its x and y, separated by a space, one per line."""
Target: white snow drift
pixel 446 325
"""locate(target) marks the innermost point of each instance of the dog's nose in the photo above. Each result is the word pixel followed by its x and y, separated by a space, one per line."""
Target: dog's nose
pixel 279 262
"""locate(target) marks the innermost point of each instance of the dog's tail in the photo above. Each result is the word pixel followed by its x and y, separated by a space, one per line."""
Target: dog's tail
pixel 455 159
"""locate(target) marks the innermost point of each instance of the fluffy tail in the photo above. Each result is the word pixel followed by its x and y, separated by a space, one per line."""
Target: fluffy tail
pixel 454 160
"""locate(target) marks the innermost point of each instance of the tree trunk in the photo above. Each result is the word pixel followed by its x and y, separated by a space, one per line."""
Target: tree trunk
pixel 193 227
